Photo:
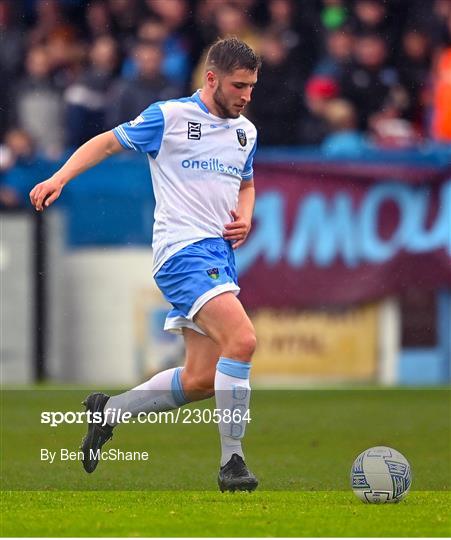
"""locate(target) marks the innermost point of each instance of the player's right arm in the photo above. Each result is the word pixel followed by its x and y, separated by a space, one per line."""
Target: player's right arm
pixel 89 154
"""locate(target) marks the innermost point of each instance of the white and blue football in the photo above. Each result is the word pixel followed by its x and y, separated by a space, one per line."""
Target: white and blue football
pixel 381 475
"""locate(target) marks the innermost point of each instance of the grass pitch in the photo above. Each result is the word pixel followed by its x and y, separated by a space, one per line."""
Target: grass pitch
pixel 281 513
pixel 301 445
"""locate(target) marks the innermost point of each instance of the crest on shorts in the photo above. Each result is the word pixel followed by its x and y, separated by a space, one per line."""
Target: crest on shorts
pixel 213 273
pixel 241 134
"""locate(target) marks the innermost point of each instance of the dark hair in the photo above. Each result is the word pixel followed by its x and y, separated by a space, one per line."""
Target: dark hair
pixel 229 54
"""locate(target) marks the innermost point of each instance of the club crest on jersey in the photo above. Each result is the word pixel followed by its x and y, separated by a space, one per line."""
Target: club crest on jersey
pixel 241 134
pixel 194 131
pixel 213 273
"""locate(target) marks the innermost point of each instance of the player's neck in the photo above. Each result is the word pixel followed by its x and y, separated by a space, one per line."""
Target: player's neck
pixel 209 102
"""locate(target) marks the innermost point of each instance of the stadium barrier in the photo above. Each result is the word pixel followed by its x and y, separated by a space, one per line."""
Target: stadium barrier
pixel 18 298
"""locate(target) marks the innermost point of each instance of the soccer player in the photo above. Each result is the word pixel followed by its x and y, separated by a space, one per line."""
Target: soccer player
pixel 200 151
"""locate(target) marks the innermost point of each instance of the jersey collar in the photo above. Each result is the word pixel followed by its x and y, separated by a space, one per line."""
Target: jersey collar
pixel 196 98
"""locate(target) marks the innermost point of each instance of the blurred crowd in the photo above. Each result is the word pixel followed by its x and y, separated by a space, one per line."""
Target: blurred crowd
pixel 335 73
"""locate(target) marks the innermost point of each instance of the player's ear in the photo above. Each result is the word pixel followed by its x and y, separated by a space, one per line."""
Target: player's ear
pixel 211 78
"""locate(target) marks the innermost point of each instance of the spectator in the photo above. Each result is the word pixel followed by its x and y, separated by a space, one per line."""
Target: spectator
pixel 205 26
pixel 390 85
pixel 52 30
pixel 283 18
pixel 175 63
pixel 66 58
pixel 98 20
pixel 177 43
pixel 370 83
pixel 50 24
pixel 338 56
pixel 18 148
pixel 87 99
pixel 126 16
pixel 152 30
pixel 9 197
pixel 39 107
pixel 344 139
pixel 413 14
pixel 390 131
pixel 312 22
pixel 149 85
pixel 441 127
pixel 372 16
pixel 11 53
pixel 313 126
pixel 173 13
pixel 229 20
pixel 275 100
pixel 414 65
pixel 11 42
pixel 441 27
pixel 6 101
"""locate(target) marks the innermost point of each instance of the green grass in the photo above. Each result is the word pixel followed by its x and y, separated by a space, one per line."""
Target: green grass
pixel 300 444
pixel 119 513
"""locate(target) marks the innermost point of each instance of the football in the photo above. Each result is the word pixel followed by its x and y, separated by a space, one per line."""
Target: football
pixel 380 475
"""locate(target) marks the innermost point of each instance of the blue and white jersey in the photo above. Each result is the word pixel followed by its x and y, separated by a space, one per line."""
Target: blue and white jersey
pixel 197 162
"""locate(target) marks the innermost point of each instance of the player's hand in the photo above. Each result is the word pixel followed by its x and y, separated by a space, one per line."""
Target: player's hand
pixel 237 231
pixel 45 193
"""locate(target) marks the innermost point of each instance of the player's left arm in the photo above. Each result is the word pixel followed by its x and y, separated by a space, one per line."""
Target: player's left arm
pixel 238 230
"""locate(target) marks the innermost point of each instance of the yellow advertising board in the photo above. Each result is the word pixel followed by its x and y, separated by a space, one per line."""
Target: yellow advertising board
pixel 335 345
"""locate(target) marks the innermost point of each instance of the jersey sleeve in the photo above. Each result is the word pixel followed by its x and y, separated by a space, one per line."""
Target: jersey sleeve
pixel 144 133
pixel 248 171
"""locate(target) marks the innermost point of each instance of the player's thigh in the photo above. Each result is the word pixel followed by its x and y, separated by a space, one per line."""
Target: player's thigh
pixel 201 354
pixel 223 318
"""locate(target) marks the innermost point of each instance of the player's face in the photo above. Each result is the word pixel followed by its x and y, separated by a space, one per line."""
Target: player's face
pixel 234 92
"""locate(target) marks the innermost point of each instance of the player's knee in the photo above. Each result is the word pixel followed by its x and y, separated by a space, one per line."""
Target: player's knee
pixel 249 344
pixel 243 345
